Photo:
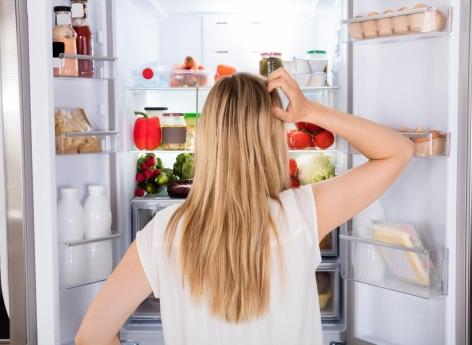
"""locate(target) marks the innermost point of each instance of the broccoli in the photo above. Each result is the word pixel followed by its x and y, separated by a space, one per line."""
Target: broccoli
pixel 184 166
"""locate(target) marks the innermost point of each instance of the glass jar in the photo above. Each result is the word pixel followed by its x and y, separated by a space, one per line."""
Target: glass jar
pixel 156 111
pixel 269 63
pixel 63 32
pixel 191 122
pixel 174 131
pixel 84 37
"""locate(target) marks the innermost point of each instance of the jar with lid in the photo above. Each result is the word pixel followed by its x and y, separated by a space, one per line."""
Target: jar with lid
pixel 63 32
pixel 269 63
pixel 174 131
pixel 156 111
pixel 191 122
pixel 84 37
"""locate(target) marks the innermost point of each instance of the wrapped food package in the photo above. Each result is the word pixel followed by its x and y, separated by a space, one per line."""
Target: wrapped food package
pixel 74 120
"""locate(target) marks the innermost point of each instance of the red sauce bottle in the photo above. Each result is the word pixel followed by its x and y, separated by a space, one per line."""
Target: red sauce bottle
pixel 84 37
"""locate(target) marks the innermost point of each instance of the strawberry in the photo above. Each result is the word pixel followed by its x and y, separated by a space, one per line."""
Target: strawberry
pixel 293 169
pixel 324 139
pixel 300 125
pixel 139 192
pixel 311 127
pixel 299 140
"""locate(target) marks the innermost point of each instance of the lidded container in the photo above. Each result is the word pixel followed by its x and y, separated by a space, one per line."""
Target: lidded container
pixel 269 63
pixel 97 213
pixel 191 123
pixel 63 32
pixel 318 60
pixel 156 111
pixel 174 131
pixel 84 37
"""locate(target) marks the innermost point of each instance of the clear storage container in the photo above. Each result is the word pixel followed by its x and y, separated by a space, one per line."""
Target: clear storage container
pixel 174 131
pixel 188 78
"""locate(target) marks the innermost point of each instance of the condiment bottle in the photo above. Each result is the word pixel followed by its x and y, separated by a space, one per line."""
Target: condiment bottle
pixel 63 32
pixel 84 37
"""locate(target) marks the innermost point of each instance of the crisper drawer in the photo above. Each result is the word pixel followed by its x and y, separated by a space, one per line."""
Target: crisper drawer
pixel 142 333
pixel 329 244
pixel 328 281
pixel 144 210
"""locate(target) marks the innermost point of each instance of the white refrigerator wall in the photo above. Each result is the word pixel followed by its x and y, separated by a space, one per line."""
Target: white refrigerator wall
pixel 408 85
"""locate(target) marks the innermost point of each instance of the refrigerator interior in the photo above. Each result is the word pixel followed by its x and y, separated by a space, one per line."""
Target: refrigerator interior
pixel 399 84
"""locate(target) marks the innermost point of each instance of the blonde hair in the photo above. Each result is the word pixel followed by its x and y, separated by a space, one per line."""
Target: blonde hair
pixel 241 161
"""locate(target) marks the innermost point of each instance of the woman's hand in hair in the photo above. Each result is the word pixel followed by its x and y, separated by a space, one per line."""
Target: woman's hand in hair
pixel 298 106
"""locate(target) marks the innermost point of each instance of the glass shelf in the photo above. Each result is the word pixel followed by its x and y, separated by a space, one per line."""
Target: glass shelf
pixel 91 142
pixel 113 236
pixel 83 78
pixel 88 57
pixel 420 23
pixel 307 89
pixel 387 264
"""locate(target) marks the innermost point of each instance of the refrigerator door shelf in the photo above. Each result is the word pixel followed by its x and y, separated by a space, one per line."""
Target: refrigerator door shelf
pixel 91 142
pixel 330 299
pixel 395 265
pixel 103 66
pixel 329 245
pixel 399 26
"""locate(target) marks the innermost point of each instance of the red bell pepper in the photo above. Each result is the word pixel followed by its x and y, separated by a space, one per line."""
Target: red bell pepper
pixel 147 132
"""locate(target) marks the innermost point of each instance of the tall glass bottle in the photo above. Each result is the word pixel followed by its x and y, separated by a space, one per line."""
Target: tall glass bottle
pixel 84 36
pixel 63 32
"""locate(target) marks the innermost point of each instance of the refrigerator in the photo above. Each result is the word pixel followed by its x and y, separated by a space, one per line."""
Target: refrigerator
pixel 415 82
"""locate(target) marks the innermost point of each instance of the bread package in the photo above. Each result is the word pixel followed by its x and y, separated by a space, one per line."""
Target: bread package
pixel 74 120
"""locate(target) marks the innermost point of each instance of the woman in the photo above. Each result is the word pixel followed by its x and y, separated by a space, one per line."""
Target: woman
pixel 235 264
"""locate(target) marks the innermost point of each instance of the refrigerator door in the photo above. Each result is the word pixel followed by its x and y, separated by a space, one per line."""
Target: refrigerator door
pixel 413 83
pixel 17 258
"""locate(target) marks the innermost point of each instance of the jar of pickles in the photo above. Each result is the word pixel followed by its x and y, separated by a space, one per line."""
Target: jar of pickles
pixel 269 63
pixel 174 131
pixel 191 122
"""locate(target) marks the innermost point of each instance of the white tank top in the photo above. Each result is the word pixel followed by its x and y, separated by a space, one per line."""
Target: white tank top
pixel 293 316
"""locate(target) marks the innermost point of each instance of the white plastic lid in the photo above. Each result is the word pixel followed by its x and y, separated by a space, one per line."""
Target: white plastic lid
pixel 68 191
pixel 96 189
pixel 78 10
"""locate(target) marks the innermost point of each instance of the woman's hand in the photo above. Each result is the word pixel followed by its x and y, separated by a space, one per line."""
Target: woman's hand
pixel 298 106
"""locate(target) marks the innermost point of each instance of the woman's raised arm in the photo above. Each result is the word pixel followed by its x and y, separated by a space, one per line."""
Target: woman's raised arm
pixel 340 198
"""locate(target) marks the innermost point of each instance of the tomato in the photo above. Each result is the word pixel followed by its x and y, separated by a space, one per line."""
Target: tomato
pixel 311 127
pixel 299 140
pixel 292 164
pixel 324 139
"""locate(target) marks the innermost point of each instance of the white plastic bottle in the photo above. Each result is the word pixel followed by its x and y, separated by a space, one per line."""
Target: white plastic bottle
pixel 71 228
pixel 98 224
pixel 97 213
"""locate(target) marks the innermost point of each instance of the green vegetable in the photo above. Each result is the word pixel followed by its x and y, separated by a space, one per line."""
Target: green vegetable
pixel 184 166
pixel 152 188
pixel 315 168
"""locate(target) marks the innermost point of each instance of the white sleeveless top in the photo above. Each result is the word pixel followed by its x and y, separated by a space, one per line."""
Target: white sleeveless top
pixel 293 316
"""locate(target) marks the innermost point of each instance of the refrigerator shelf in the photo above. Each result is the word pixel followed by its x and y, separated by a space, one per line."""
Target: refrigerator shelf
pixel 91 142
pixel 307 89
pixel 398 26
pixel 83 78
pixel 113 236
pixel 402 268
pixel 88 57
pixel 430 145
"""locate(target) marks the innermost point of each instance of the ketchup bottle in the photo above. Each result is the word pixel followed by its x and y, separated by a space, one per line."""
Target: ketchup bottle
pixel 84 37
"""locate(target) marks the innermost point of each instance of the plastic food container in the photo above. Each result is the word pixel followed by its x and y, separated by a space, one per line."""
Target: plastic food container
pixel 188 78
pixel 174 131
pixel 401 24
pixel 156 111
pixel 303 80
pixel 317 60
pixel 369 27
pixel 355 29
pixel 297 66
pixel 191 123
pixel 318 79
pixel 427 21
pixel 385 25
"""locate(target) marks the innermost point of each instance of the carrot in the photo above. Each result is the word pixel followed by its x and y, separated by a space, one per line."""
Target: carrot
pixel 225 70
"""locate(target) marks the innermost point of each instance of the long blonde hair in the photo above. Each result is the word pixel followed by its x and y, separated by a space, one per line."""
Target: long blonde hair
pixel 241 161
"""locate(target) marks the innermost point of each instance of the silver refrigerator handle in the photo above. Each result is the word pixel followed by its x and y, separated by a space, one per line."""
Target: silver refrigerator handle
pixel 17 170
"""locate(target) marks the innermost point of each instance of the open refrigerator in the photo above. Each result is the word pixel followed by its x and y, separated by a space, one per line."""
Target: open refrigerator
pixel 405 81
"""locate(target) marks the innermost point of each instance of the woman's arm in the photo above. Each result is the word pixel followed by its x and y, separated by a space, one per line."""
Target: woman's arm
pixel 122 293
pixel 340 198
